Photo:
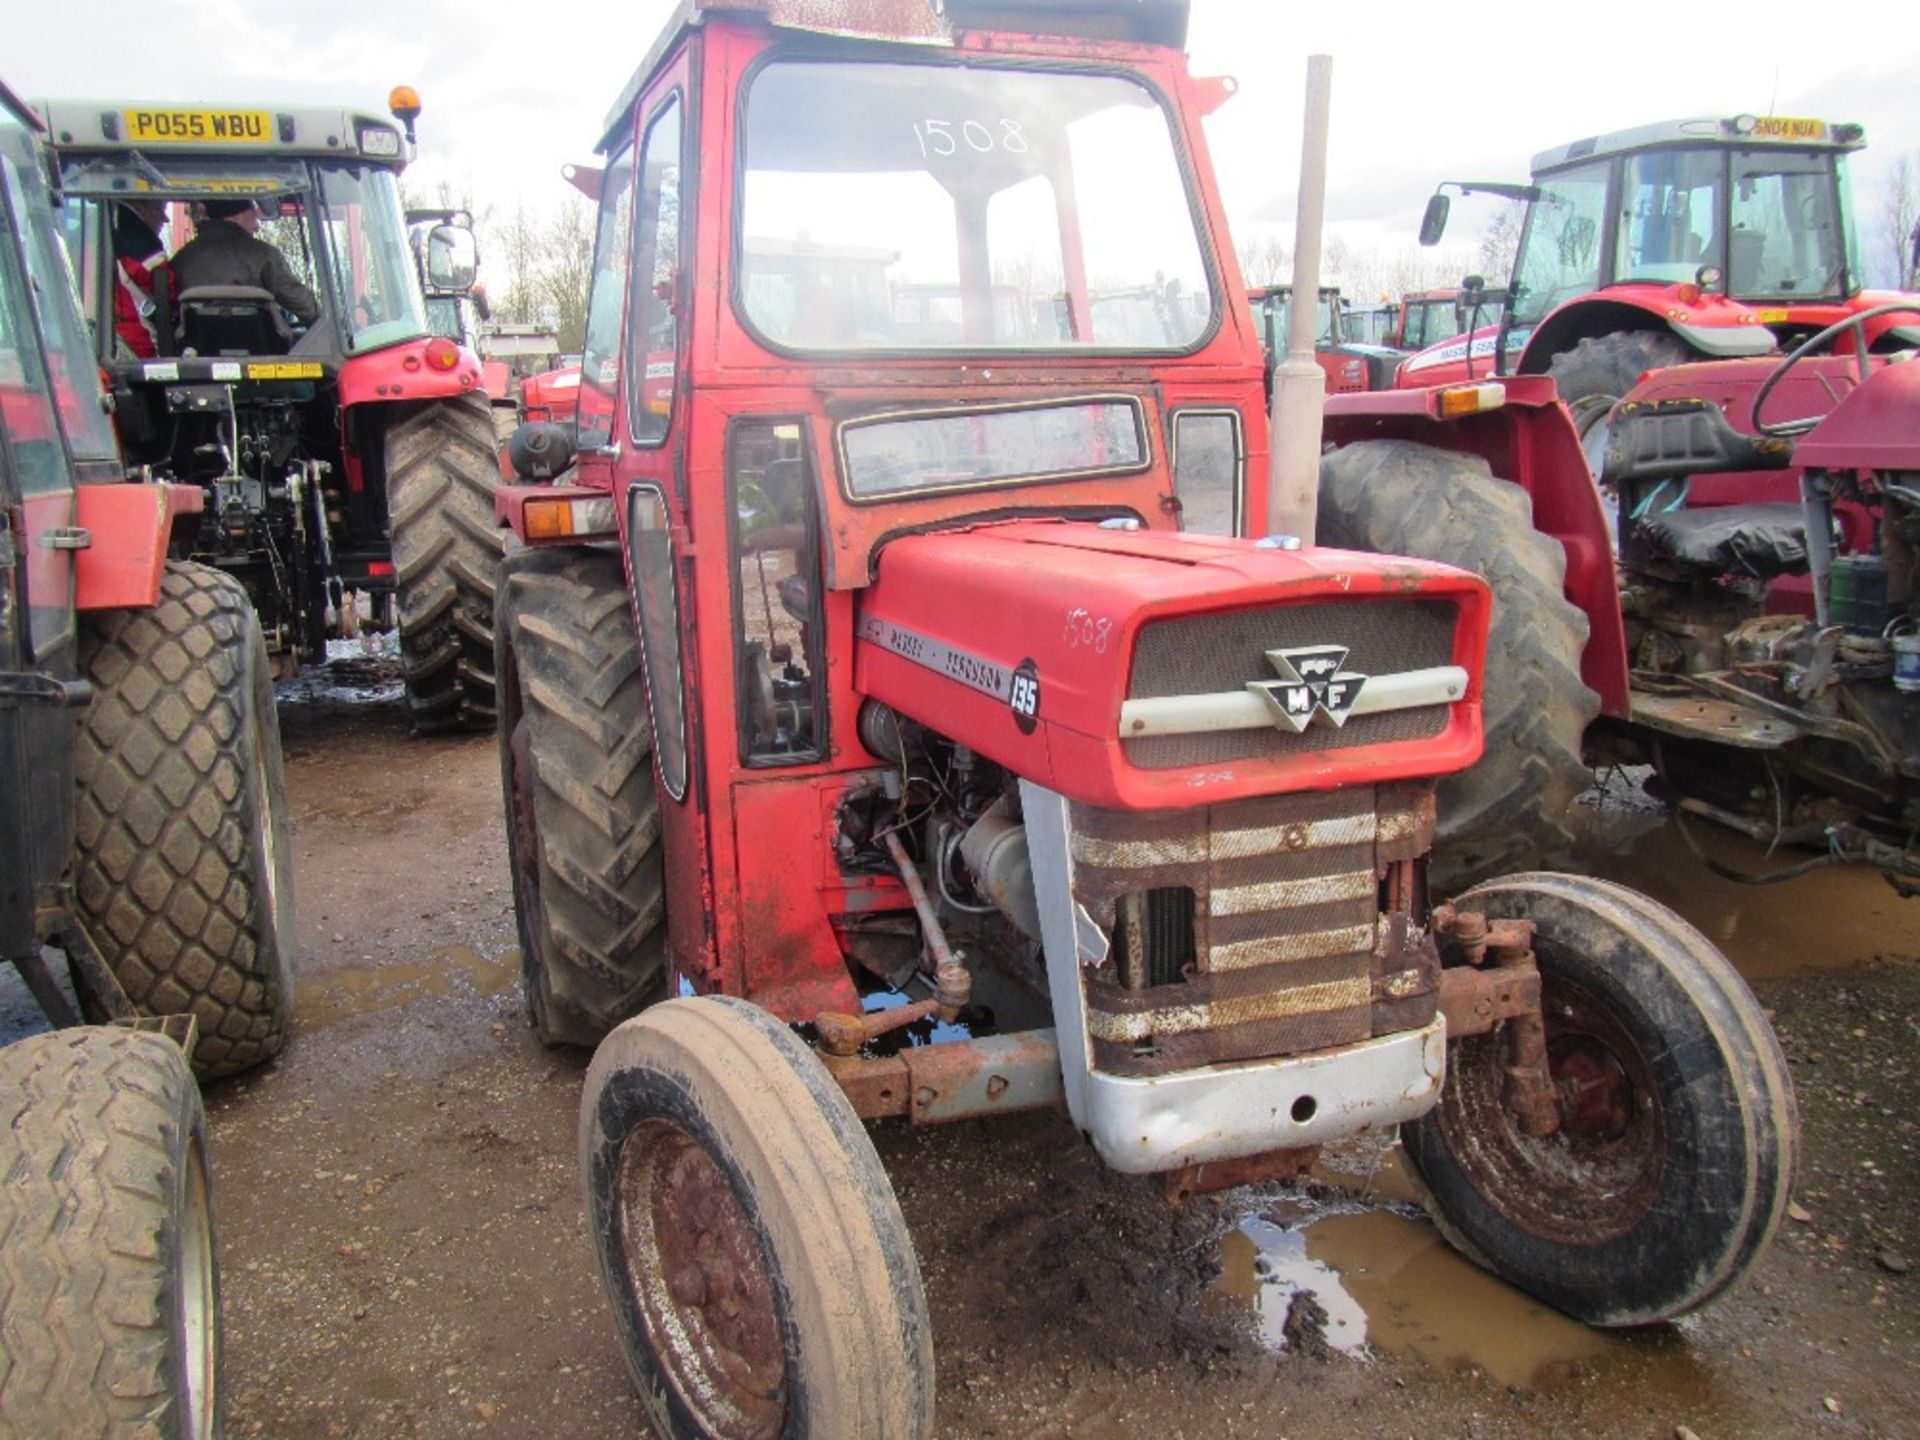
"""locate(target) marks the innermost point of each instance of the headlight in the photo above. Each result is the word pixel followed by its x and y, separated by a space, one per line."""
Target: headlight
pixel 379 140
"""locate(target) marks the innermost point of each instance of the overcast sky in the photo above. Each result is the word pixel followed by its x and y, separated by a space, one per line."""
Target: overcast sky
pixel 1421 91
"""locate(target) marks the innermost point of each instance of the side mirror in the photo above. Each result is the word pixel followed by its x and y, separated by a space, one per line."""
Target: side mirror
pixel 451 259
pixel 540 450
pixel 1433 224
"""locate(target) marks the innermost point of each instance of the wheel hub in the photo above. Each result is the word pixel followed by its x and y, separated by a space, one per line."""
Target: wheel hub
pixel 1600 1172
pixel 705 1293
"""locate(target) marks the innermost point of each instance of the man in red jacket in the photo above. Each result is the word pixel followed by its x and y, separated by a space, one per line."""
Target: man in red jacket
pixel 138 256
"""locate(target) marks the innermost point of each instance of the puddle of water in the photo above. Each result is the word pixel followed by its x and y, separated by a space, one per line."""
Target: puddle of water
pixel 327 996
pixel 1387 1281
pixel 1832 919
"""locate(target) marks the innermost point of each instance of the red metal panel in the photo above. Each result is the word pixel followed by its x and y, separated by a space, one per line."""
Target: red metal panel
pixel 387 375
pixel 130 524
pixel 1030 593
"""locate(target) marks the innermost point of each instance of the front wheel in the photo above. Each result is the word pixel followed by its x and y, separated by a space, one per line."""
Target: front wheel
pixel 762 1278
pixel 1674 1157
pixel 109 1293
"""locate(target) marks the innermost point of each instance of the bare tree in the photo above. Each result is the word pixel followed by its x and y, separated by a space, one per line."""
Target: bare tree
pixel 1500 242
pixel 1264 260
pixel 1900 213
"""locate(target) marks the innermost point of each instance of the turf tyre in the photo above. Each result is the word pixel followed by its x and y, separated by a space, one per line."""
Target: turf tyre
pixel 183 856
pixel 109 1287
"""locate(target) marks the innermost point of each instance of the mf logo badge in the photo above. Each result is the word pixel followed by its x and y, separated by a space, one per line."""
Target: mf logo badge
pixel 1312 686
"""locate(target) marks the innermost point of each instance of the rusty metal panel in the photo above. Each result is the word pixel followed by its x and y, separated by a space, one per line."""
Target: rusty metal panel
pixel 992 1075
pixel 1474 1001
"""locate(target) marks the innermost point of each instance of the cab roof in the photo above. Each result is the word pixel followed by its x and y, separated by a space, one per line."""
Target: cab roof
pixel 221 128
pixel 916 22
pixel 1796 133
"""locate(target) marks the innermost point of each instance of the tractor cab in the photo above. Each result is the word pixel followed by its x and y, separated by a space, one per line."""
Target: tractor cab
pixel 1720 238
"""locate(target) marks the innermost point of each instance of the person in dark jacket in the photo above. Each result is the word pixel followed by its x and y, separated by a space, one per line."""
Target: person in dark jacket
pixel 228 252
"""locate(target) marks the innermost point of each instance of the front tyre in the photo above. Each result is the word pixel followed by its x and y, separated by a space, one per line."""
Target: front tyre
pixel 442 468
pixel 762 1278
pixel 1674 1159
pixel 109 1291
pixel 183 860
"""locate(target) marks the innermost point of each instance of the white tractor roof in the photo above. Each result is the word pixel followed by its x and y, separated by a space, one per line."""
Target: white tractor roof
pixel 1795 133
pixel 266 129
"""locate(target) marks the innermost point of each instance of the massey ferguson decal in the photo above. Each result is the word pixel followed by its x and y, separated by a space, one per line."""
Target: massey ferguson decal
pixel 985 676
pixel 1311 686
pixel 1484 344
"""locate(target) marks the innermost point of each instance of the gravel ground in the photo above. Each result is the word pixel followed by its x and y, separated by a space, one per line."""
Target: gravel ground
pixel 405 1253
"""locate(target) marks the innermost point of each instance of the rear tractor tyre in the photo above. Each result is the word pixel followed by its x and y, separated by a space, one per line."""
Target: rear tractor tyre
pixel 1594 376
pixel 1674 1160
pixel 761 1276
pixel 109 1290
pixel 583 815
pixel 183 859
pixel 442 468
pixel 1510 810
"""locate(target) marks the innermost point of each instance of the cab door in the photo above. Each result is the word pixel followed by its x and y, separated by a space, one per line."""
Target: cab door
pixel 631 429
pixel 37 628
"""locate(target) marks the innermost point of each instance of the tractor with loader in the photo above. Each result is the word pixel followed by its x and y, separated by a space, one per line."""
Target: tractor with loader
pixel 850 677
pixel 144 841
pixel 342 454
pixel 1698 239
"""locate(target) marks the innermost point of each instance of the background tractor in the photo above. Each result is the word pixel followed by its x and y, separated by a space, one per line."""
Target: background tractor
pixel 356 454
pixel 1350 362
pixel 1686 240
pixel 909 725
pixel 144 838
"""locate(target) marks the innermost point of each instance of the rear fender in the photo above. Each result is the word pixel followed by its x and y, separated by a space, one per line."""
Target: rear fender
pixel 1529 440
pixel 1709 324
pixel 130 525
pixel 401 372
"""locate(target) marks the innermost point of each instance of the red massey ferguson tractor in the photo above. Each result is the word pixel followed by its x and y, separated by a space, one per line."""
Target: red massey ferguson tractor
pixel 346 451
pixel 869 676
pixel 143 832
pixel 1687 240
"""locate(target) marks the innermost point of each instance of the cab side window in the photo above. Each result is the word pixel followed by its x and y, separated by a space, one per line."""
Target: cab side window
pixel 606 305
pixel 654 334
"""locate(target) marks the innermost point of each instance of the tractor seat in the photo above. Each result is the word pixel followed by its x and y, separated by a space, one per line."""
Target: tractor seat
pixel 1763 540
pixel 231 320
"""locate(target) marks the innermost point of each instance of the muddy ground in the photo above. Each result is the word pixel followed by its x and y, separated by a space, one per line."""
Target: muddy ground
pixel 405 1256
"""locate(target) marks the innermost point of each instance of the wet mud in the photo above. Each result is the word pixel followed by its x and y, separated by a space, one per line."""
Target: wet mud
pixel 405 1254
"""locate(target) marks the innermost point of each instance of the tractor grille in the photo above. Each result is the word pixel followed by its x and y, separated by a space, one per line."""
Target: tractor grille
pixel 1207 654
pixel 1249 929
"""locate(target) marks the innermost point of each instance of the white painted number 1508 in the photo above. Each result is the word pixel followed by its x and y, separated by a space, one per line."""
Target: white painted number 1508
pixel 945 137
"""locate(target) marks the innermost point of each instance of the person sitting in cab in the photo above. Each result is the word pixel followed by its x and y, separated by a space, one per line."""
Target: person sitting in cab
pixel 227 251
